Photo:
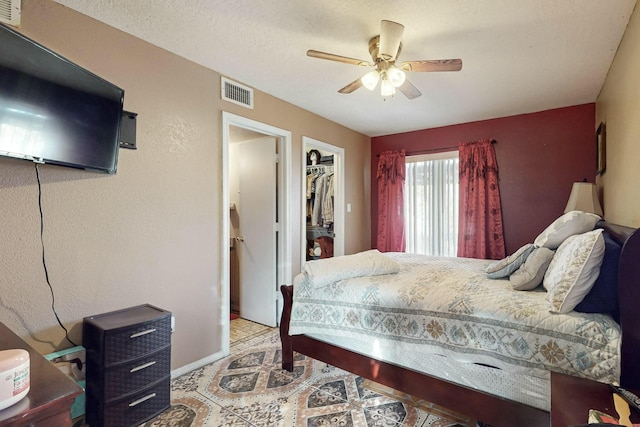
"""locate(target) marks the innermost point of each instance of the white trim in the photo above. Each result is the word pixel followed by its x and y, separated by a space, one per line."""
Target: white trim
pixel 198 364
pixel 284 200
pixel 339 189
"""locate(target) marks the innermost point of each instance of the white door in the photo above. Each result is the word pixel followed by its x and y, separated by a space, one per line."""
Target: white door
pixel 257 245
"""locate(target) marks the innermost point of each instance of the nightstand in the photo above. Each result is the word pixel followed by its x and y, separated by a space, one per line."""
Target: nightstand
pixel 52 392
pixel 572 397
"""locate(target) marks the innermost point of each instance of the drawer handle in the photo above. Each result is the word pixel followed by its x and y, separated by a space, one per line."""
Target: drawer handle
pixel 142 399
pixel 139 334
pixel 141 367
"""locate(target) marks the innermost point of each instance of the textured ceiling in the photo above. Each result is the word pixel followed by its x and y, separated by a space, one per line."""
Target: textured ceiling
pixel 518 56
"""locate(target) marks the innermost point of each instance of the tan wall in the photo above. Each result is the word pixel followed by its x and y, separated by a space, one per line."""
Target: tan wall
pixel 150 233
pixel 619 107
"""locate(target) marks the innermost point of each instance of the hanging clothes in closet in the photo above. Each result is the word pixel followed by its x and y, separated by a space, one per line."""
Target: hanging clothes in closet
pixel 320 211
pixel 320 195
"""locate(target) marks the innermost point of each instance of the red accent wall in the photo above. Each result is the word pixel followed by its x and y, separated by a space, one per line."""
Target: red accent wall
pixel 539 155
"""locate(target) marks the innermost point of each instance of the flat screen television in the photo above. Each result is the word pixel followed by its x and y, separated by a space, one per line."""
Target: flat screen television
pixel 54 111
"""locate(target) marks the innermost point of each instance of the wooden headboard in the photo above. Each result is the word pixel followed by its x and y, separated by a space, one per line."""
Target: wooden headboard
pixel 628 297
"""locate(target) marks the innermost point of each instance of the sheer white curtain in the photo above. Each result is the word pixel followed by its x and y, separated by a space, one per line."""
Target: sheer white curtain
pixel 431 204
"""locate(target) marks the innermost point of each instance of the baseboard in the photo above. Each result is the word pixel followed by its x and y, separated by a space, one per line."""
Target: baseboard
pixel 197 364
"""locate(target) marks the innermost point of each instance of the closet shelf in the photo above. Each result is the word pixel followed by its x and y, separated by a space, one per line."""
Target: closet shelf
pixel 315 232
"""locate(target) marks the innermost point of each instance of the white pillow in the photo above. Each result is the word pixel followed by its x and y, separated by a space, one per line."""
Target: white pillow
pixel 531 273
pixel 368 263
pixel 508 265
pixel 573 270
pixel 569 224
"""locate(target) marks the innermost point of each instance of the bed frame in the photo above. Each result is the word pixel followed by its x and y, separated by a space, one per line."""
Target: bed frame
pixel 496 411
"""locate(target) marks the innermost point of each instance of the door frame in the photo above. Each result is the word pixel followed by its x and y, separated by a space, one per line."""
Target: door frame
pixel 338 198
pixel 284 256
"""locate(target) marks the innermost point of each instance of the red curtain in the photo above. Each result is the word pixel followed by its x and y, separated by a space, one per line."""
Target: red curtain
pixel 391 171
pixel 480 232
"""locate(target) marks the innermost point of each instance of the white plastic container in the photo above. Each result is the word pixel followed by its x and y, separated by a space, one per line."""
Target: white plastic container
pixel 14 376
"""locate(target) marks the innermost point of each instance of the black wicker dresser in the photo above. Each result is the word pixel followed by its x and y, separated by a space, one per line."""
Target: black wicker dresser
pixel 128 365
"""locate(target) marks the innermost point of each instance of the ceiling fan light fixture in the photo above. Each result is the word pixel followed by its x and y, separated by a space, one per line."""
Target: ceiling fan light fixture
pixel 370 80
pixel 387 88
pixel 384 50
pixel 396 76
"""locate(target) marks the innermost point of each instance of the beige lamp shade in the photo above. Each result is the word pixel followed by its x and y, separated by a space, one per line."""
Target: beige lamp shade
pixel 584 197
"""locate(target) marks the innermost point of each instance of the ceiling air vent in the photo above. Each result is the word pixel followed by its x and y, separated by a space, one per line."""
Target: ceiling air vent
pixel 235 92
pixel 10 12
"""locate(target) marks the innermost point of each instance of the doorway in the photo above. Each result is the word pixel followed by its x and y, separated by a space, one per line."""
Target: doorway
pixel 319 238
pixel 273 150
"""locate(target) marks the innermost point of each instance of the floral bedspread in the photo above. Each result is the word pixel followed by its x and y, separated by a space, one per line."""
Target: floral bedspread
pixel 447 306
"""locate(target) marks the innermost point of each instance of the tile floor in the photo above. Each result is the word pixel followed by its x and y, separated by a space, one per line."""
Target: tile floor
pixel 242 330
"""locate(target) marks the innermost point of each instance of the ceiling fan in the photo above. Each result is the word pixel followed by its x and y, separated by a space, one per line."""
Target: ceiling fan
pixel 384 50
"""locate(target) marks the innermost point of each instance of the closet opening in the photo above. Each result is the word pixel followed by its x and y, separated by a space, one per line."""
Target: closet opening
pixel 323 200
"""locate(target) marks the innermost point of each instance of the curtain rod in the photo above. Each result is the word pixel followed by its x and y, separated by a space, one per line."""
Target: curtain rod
pixel 429 150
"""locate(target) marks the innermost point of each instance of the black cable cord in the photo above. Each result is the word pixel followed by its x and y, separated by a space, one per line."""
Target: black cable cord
pixel 44 262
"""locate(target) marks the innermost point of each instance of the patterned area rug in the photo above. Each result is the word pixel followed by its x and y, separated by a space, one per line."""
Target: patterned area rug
pixel 248 389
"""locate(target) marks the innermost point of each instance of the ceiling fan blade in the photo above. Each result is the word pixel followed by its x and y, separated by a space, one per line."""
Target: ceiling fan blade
pixel 409 90
pixel 338 58
pixel 433 65
pixel 390 38
pixel 356 84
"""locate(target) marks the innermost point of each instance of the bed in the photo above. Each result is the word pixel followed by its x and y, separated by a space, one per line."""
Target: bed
pixel 476 381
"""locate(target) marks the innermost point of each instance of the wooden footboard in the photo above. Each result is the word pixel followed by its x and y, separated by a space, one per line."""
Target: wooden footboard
pixel 491 409
pixel 286 340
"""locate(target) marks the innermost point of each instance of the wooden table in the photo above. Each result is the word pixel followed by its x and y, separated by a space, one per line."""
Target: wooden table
pixel 571 399
pixel 52 393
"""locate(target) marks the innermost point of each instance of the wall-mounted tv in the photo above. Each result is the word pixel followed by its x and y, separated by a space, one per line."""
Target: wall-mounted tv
pixel 54 111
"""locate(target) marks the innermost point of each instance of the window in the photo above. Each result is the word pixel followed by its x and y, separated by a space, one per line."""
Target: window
pixel 431 204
